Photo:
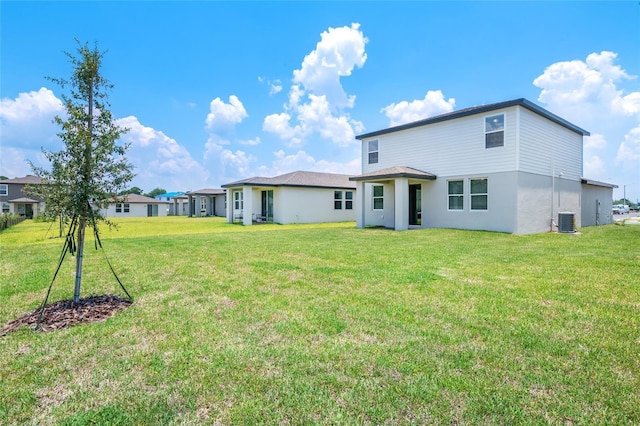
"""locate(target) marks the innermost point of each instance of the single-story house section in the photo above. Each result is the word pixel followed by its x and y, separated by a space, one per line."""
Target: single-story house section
pixel 177 202
pixel 597 203
pixel 207 202
pixel 509 167
pixel 16 201
pixel 134 205
pixel 297 197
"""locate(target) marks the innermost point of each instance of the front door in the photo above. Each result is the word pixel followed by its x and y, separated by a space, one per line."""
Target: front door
pixel 415 205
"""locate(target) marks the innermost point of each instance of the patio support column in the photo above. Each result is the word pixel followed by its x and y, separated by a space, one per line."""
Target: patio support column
pixel 190 201
pixel 401 204
pixel 359 199
pixel 230 205
pixel 197 206
pixel 247 211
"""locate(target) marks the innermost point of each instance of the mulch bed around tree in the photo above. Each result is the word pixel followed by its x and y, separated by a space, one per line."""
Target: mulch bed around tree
pixel 66 313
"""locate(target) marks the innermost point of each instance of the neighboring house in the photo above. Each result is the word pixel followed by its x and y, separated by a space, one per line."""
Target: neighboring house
pixel 206 202
pixel 134 205
pixel 15 201
pixel 510 167
pixel 177 202
pixel 297 197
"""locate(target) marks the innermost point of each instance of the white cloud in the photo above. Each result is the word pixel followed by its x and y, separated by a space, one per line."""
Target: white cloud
pixel 593 166
pixel 433 104
pixel 26 121
pixel 158 159
pixel 629 149
pixel 596 141
pixel 224 116
pixel 337 53
pixel 225 164
pixel 587 91
pixel 250 142
pixel 316 98
pixel 301 160
pixel 590 93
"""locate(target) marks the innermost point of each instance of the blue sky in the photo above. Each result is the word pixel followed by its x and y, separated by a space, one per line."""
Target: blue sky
pixel 219 91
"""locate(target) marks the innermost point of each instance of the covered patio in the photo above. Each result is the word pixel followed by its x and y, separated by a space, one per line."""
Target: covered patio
pixel 390 197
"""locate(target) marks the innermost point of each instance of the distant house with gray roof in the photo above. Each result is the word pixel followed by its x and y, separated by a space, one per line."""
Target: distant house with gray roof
pixel 206 202
pixel 134 205
pixel 297 197
pixel 15 200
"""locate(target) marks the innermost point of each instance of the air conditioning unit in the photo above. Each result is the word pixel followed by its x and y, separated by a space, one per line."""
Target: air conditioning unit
pixel 566 222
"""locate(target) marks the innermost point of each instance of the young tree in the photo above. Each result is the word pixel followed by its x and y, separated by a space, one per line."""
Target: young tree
pixel 92 167
pixel 132 190
pixel 156 191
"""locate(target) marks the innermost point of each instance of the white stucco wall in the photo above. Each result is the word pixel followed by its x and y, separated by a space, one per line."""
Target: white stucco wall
pixel 310 205
pixel 294 205
pixel 597 203
pixel 135 210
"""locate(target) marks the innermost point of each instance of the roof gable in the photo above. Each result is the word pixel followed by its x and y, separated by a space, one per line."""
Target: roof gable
pixel 481 109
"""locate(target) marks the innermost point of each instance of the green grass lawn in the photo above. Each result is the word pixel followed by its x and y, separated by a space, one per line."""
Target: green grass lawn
pixel 328 324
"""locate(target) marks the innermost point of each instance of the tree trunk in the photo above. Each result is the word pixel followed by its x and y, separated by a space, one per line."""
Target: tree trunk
pixel 79 259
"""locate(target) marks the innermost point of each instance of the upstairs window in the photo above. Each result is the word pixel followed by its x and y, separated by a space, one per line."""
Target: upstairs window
pixel 4 189
pixel 378 197
pixel 337 200
pixel 348 196
pixel 479 192
pixel 373 151
pixel 456 194
pixel 494 131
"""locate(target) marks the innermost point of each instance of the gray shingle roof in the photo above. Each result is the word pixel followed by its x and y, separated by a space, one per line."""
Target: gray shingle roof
pixel 299 178
pixel 395 172
pixel 29 179
pixel 207 191
pixel 481 109
pixel 135 198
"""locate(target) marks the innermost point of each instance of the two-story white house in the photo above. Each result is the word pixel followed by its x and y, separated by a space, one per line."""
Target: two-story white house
pixel 509 167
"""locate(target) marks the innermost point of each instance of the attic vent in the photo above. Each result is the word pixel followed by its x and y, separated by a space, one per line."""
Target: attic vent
pixel 566 222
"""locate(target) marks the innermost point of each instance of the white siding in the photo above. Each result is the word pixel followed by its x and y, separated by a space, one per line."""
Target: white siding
pixel 545 145
pixel 454 147
pixel 135 210
pixel 309 205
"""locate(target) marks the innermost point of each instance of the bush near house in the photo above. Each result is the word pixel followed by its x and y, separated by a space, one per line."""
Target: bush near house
pixel 328 324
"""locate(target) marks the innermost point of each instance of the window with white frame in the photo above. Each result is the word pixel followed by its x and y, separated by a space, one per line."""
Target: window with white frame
pixel 126 207
pixel 203 204
pixel 494 131
pixel 337 200
pixel 6 208
pixel 348 197
pixel 4 189
pixel 479 194
pixel 373 151
pixel 238 200
pixel 118 208
pixel 456 194
pixel 378 197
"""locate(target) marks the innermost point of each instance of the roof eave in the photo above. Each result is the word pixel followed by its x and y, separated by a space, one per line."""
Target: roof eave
pixel 478 110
